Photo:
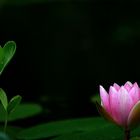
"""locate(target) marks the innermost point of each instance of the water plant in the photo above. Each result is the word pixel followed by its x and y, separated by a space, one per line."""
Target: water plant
pixel 11 110
pixel 120 106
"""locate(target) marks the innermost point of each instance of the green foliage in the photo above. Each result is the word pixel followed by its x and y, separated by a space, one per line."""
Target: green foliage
pixel 3 136
pixel 76 129
pixel 13 110
pixel 6 54
pixel 96 98
pixel 14 102
pixel 135 138
pixel 11 131
pixel 71 129
pixel 22 111
pixel 3 99
pixel 1 53
pixel 8 108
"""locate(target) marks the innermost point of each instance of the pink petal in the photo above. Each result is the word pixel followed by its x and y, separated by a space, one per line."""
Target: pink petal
pixel 116 86
pixel 134 93
pixel 128 85
pixel 105 114
pixel 114 103
pixel 134 116
pixel 125 105
pixel 104 99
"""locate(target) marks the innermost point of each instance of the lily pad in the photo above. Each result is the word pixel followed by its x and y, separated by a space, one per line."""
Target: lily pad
pixel 67 128
pixel 76 129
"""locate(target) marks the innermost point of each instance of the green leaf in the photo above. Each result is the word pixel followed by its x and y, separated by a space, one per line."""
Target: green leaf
pixel 3 99
pixel 11 131
pixel 3 136
pixel 76 129
pixel 14 102
pixel 96 98
pixel 22 111
pixel 135 138
pixel 1 53
pixel 61 128
pixel 91 136
pixel 7 53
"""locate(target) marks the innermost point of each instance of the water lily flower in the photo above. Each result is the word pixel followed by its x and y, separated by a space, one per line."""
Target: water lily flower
pixel 121 104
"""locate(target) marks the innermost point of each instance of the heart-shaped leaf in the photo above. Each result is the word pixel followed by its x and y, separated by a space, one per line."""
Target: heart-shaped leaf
pixel 14 102
pixel 3 99
pixel 6 54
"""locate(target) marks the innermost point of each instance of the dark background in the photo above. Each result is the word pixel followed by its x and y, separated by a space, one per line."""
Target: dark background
pixel 66 49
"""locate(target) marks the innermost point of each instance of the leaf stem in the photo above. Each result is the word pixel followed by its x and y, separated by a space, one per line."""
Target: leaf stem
pixel 5 123
pixel 127 134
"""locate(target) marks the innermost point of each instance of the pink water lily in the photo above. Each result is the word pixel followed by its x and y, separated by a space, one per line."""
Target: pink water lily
pixel 121 105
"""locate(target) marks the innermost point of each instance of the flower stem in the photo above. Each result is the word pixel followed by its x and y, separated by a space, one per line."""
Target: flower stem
pixel 127 134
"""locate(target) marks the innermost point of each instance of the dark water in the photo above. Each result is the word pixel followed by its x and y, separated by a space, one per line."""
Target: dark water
pixel 65 50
